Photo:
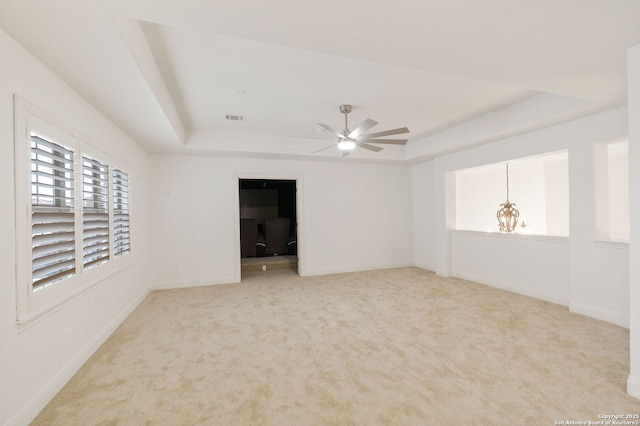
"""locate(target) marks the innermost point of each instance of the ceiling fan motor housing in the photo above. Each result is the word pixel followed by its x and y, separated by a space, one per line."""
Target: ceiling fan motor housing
pixel 345 109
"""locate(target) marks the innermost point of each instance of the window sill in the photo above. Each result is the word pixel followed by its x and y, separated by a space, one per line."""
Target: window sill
pixel 31 318
pixel 516 236
pixel 611 244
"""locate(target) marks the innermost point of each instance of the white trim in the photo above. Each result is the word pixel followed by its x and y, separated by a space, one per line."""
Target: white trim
pixel 199 152
pixel 616 245
pixel 300 234
pixel 358 268
pixel 600 314
pixel 428 267
pixel 513 235
pixel 170 285
pixel 32 408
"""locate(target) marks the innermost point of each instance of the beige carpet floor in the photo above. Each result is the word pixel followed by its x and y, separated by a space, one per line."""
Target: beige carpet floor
pixel 397 347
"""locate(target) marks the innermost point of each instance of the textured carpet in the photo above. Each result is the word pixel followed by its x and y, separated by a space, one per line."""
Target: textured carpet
pixel 399 346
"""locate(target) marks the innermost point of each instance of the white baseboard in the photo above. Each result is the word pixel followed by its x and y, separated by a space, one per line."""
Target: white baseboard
pixel 633 386
pixel 601 314
pixel 170 285
pixel 425 266
pixel 525 291
pixel 355 268
pixel 578 308
pixel 32 408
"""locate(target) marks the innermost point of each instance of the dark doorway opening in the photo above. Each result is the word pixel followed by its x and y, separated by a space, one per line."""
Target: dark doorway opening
pixel 268 224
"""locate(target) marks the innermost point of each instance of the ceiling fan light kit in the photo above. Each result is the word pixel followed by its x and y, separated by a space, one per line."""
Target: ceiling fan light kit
pixel 346 145
pixel 348 140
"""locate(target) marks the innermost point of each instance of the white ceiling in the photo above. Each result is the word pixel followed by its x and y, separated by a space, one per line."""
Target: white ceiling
pixel 168 72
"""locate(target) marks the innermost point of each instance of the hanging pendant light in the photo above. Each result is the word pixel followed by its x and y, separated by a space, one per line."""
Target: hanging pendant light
pixel 507 214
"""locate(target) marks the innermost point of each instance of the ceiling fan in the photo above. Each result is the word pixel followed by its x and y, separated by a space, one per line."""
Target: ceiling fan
pixel 350 139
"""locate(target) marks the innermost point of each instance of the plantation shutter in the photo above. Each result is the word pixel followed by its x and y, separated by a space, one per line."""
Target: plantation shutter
pixel 121 212
pixel 95 212
pixel 52 212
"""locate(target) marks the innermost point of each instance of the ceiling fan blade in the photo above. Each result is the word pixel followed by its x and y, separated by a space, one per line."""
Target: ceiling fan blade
pixel 369 147
pixel 326 147
pixel 385 141
pixel 366 125
pixel 397 131
pixel 329 128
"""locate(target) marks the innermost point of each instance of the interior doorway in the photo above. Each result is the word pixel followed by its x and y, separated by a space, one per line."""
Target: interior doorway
pixel 268 224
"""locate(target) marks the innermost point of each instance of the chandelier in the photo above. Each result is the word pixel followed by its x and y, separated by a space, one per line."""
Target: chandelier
pixel 507 213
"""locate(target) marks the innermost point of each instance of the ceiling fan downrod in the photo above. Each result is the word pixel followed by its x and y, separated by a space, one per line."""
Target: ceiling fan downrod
pixel 345 109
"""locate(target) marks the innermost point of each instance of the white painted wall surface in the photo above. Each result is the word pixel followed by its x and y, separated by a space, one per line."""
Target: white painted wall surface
pixel 599 272
pixel 355 216
pixel 633 97
pixel 423 229
pixel 618 194
pixel 556 179
pixel 35 362
pixel 600 281
pixel 595 289
pixel 530 265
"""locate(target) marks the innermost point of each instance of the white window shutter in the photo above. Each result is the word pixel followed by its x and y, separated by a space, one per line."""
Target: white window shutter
pixel 95 212
pixel 121 212
pixel 52 218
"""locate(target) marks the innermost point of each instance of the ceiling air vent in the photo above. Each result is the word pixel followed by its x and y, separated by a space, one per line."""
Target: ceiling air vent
pixel 233 117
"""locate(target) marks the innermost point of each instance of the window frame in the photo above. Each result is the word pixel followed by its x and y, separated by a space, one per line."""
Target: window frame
pixel 33 305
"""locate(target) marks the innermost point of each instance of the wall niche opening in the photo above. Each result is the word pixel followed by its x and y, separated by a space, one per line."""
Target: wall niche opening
pixel 268 225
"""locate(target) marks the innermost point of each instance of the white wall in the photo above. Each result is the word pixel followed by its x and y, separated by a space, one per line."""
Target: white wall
pixel 530 265
pixel 556 178
pixel 618 191
pixel 424 208
pixel 38 360
pixel 589 276
pixel 599 271
pixel 355 216
pixel 633 96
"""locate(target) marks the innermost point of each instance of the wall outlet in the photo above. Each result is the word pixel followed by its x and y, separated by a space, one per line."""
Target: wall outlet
pixel 180 269
pixel 264 267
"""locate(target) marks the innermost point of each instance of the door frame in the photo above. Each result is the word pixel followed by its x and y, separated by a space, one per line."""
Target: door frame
pixel 300 237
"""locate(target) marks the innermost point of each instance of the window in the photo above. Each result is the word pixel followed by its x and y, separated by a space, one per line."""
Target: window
pixel 72 213
pixel 53 214
pixel 120 212
pixel 95 212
